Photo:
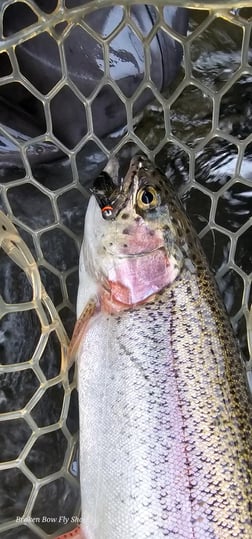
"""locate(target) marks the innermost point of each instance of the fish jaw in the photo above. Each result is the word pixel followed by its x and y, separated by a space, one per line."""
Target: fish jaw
pixel 105 240
pixel 88 286
pixel 122 264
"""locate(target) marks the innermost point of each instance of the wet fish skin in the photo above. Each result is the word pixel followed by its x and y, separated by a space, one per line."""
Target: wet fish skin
pixel 165 418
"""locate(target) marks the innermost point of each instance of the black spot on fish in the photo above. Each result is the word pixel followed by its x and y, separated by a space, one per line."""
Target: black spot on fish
pixel 125 216
pixel 126 231
pixel 137 219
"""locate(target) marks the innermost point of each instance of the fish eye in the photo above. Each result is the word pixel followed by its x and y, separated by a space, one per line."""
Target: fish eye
pixel 107 212
pixel 147 198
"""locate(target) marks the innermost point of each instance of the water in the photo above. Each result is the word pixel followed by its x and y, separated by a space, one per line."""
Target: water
pixel 50 213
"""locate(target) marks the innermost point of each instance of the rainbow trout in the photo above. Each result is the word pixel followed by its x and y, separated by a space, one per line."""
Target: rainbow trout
pixel 165 420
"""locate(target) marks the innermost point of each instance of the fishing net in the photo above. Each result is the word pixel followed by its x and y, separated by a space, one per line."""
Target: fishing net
pixel 198 131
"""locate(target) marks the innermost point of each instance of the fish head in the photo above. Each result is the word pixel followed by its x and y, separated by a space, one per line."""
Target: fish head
pixel 134 235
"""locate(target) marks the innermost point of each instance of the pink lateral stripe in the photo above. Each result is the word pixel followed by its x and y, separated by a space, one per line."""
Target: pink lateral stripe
pixel 76 533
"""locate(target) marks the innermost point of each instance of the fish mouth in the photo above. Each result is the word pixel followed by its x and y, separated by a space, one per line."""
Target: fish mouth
pixel 136 255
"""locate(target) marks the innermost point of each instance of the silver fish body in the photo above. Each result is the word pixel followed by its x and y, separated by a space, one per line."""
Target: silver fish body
pixel 165 420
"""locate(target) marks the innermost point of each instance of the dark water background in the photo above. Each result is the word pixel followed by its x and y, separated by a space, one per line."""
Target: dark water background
pixel 210 198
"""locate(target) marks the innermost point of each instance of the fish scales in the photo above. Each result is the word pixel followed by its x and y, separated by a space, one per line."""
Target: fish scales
pixel 165 419
pixel 154 401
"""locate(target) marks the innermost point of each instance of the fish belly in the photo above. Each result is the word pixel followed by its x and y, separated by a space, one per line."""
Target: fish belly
pixel 163 429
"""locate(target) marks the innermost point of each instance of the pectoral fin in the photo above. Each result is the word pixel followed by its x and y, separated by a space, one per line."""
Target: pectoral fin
pixel 80 328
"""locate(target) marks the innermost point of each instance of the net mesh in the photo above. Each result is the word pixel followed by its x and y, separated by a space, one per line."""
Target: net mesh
pixel 182 130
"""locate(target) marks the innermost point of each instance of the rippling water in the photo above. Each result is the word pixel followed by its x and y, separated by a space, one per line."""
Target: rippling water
pixel 217 206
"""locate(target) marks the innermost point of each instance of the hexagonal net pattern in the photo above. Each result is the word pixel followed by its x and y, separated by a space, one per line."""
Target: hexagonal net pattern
pixel 26 420
pixel 65 109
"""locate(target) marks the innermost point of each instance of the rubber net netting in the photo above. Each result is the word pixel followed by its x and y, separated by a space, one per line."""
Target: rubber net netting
pixel 198 131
